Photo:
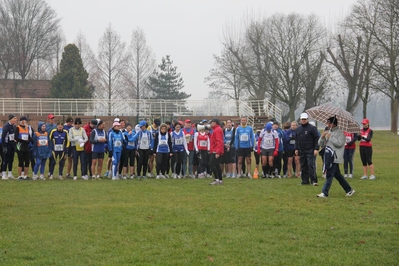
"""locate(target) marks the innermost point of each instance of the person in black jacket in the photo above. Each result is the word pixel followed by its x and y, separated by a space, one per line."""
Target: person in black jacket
pixel 8 141
pixel 307 147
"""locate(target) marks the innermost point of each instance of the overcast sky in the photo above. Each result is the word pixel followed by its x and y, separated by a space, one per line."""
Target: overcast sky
pixel 190 31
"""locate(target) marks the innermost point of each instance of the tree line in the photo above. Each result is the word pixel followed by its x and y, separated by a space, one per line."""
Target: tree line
pixel 291 59
pixel 294 61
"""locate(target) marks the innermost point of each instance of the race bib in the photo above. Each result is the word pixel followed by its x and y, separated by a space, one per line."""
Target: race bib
pixel 11 137
pixel 24 136
pixel 130 143
pixel 58 147
pixel 203 143
pixel 292 142
pixel 117 143
pixel 43 142
pixel 179 141
pixel 268 141
pixel 348 139
pixel 163 142
pixel 144 144
pixel 244 137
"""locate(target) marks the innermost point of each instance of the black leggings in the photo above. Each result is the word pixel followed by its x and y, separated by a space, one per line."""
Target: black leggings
pixel 56 156
pixel 162 162
pixel 178 159
pixel 8 159
pixel 366 154
pixel 128 157
pixel 144 155
pixel 23 158
pixel 277 162
pixel 204 162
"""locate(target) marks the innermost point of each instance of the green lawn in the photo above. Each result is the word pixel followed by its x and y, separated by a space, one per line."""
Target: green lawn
pixel 188 222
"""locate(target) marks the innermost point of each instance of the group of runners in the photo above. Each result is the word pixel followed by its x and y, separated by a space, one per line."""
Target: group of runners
pixel 174 149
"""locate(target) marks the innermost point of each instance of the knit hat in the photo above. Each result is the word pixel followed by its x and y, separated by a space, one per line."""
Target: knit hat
pixel 78 121
pixel 11 116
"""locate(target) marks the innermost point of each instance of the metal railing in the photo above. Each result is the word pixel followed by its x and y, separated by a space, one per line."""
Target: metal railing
pixel 137 107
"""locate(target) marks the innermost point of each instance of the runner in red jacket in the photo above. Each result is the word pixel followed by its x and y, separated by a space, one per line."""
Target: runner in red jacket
pixel 216 150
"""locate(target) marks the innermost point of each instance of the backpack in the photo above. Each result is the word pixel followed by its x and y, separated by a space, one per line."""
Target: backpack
pixel 328 158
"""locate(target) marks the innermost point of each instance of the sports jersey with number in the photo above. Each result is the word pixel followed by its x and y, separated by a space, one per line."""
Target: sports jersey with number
pixel 115 141
pixel 245 138
pixel 59 140
pixel 268 139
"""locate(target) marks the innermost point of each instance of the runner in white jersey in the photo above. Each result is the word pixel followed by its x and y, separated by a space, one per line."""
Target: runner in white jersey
pixel 268 147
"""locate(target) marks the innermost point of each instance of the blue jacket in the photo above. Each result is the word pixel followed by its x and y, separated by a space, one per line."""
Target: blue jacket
pixel 131 143
pixel 289 140
pixel 60 141
pixel 115 141
pixel 244 138
pixel 280 134
pixel 42 145
pixel 97 146
pixel 143 142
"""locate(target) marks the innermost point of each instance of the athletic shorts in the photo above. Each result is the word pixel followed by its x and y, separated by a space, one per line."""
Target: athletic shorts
pixel 289 153
pixel 69 153
pixel 110 153
pixel 97 155
pixel 267 152
pixel 244 152
pixel 229 156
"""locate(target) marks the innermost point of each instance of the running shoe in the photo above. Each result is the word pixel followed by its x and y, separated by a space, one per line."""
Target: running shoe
pixel 364 177
pixel 350 193
pixel 321 195
pixel 372 177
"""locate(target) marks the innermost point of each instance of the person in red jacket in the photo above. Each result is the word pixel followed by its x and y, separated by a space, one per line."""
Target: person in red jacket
pixel 216 150
pixel 88 149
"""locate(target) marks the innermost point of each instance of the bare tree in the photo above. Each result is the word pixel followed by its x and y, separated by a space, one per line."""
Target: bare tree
pixel 112 64
pixel 30 27
pixel 141 65
pixel 226 80
pixel 87 54
pixel 386 35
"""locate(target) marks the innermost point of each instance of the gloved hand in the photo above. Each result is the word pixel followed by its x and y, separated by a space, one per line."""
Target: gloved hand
pixel 5 150
pixel 275 153
pixel 188 153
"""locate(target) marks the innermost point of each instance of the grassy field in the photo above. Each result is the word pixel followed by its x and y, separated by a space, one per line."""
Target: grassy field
pixel 188 222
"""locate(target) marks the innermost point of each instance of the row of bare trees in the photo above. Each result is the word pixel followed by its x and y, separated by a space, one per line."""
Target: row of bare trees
pixel 295 62
pixel 32 43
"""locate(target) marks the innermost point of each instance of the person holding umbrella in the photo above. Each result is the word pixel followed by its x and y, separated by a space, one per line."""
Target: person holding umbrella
pixel 334 140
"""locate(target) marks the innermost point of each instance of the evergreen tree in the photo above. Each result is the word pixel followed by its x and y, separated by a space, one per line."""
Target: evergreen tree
pixel 167 83
pixel 71 81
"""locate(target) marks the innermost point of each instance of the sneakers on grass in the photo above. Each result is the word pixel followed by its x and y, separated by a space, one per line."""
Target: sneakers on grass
pixel 350 193
pixel 216 182
pixel 372 177
pixel 322 195
pixel 363 177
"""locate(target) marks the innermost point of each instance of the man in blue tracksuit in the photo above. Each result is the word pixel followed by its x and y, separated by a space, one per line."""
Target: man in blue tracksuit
pixel 115 145
pixel 60 146
pixel 244 143
pixel 98 140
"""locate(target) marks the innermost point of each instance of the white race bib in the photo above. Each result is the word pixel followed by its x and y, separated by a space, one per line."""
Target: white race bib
pixel 292 141
pixel 179 141
pixel 163 142
pixel 11 137
pixel 348 139
pixel 244 137
pixel 58 147
pixel 42 142
pixel 117 143
pixel 203 143
pixel 24 136
pixel 130 143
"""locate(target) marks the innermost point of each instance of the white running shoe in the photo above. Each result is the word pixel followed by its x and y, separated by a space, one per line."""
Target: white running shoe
pixel 131 176
pixel 4 177
pixel 75 178
pixel 233 175
pixel 51 177
pixel 34 177
pixel 179 177
pixel 124 177
pixel 350 176
pixel 372 177
pixel 346 175
pixel 216 182
pixel 174 176
pixel 158 177
pixel 85 177
pixel 249 176
pixel 60 177
pixel 350 193
pixel 149 175
pixel 364 177
pixel 321 195
pixel 41 177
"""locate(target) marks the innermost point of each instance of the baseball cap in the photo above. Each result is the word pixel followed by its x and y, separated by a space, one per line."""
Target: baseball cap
pixel 365 121
pixel 268 126
pixel 23 118
pixel 116 124
pixel 117 120
pixel 142 123
pixel 187 121
pixel 50 116
pixel 304 116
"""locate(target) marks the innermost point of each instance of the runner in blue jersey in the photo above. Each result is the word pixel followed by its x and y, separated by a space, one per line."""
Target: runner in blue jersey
pixel 244 143
pixel 98 140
